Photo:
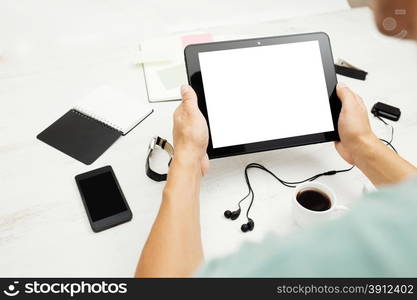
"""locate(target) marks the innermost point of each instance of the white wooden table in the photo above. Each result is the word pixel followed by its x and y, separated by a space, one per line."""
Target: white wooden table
pixel 44 230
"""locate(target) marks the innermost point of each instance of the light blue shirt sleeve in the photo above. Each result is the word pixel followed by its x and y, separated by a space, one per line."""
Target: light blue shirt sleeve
pixel 377 238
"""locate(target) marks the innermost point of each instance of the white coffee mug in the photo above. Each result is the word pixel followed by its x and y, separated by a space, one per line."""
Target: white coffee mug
pixel 304 216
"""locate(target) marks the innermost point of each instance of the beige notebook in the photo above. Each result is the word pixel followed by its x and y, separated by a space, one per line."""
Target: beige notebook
pixel 164 66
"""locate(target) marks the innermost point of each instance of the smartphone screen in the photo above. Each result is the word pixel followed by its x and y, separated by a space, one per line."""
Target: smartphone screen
pixel 103 198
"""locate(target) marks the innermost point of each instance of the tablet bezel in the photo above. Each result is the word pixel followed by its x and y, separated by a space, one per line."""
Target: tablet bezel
pixel 195 80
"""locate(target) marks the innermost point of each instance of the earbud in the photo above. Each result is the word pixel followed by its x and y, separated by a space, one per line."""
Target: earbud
pixel 248 226
pixel 227 214
pixel 233 215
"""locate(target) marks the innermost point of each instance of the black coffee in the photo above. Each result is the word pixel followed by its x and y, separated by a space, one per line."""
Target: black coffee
pixel 314 200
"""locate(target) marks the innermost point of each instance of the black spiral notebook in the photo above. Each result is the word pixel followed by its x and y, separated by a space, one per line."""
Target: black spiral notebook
pixel 93 125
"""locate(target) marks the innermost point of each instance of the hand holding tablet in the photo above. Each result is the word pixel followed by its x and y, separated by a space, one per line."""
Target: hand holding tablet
pixel 267 93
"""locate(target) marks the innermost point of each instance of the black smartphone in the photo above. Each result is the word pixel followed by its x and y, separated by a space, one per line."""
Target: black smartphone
pixel 103 199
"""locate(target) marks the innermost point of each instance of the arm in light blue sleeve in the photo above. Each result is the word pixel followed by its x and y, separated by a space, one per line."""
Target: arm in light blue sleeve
pixel 378 238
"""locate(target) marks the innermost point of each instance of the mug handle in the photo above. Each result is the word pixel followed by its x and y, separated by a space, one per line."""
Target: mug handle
pixel 339 210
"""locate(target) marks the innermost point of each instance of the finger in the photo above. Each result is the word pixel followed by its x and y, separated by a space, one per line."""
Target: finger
pixel 339 147
pixel 188 95
pixel 345 94
pixel 205 165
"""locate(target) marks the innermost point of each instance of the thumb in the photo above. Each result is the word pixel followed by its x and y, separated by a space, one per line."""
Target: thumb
pixel 344 93
pixel 188 95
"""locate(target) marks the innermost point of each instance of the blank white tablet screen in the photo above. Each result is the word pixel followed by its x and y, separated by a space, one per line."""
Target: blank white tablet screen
pixel 265 93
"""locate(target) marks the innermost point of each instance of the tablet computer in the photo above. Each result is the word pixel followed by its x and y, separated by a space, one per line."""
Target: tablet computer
pixel 265 93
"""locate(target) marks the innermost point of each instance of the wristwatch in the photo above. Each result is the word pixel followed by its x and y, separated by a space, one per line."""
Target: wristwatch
pixel 165 145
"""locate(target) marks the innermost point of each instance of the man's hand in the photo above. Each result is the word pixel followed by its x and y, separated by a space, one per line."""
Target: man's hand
pixel 359 146
pixel 190 131
pixel 174 247
pixel 354 128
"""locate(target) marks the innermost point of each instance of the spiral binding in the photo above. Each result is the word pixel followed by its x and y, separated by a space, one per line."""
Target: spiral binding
pixel 93 117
